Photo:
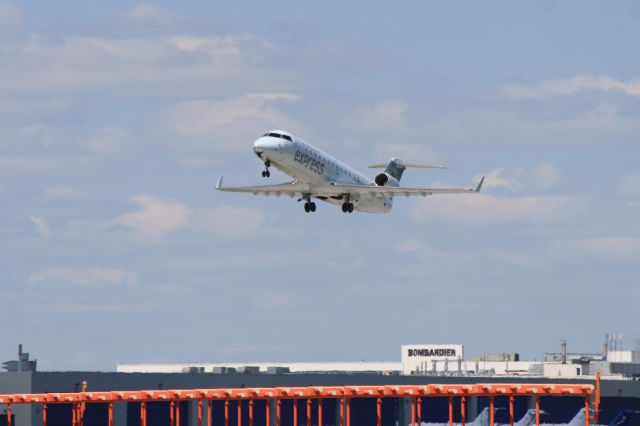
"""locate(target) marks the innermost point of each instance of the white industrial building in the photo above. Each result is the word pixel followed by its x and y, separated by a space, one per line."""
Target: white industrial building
pixel 431 359
pixel 262 367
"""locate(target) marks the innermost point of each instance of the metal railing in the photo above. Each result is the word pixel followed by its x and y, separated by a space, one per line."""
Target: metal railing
pixel 275 396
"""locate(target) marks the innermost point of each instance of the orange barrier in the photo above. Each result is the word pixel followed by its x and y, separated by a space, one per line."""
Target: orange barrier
pixel 78 400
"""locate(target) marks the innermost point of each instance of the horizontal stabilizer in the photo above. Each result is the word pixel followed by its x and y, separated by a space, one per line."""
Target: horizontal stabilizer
pixel 404 165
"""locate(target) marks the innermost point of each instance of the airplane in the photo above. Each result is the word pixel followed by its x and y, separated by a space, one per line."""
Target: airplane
pixel 578 419
pixel 529 418
pixel 318 175
pixel 625 417
pixel 482 419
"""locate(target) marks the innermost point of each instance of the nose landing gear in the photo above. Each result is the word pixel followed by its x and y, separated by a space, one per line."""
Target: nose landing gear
pixel 265 172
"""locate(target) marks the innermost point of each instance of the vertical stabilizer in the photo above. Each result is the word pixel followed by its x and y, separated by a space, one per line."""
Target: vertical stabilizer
pixel 395 168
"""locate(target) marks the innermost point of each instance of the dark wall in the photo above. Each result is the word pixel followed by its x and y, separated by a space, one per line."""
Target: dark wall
pixel 15 382
pixel 37 382
pixel 617 394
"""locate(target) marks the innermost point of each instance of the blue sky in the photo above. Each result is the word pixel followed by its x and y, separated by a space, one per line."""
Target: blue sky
pixel 116 119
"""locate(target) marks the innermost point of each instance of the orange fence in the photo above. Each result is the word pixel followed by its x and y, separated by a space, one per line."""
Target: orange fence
pixel 343 394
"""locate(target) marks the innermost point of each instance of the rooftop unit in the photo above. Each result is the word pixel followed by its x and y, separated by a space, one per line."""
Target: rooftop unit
pixel 21 364
pixel 498 357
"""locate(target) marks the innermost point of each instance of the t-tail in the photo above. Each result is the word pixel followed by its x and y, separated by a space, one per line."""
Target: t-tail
pixel 396 167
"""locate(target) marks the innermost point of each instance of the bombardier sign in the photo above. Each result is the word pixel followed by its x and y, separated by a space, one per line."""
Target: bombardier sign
pixel 429 352
pixel 434 353
pixel 423 356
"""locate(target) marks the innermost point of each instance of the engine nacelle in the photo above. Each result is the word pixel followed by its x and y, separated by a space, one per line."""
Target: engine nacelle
pixel 384 179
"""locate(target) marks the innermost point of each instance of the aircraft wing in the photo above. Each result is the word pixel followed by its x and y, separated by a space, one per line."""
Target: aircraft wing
pixel 393 191
pixel 293 188
pixel 301 189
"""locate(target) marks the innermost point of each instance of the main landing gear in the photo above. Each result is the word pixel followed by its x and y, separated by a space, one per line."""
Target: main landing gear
pixel 265 172
pixel 347 206
pixel 309 206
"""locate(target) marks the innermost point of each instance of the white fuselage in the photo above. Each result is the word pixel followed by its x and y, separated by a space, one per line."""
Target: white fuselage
pixel 316 168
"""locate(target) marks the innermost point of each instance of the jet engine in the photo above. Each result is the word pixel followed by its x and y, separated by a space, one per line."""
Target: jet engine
pixel 384 179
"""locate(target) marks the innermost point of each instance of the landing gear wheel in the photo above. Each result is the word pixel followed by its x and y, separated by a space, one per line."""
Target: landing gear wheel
pixel 309 206
pixel 265 172
pixel 347 207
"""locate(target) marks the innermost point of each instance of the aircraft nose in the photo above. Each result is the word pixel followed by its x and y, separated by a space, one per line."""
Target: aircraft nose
pixel 265 144
pixel 259 146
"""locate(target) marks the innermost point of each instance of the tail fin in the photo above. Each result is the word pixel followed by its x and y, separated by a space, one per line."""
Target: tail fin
pixel 396 167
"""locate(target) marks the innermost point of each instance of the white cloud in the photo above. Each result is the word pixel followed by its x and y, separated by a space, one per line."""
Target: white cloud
pixel 157 216
pixel 83 277
pixel 37 150
pixel 201 130
pixel 61 193
pixel 550 88
pixel 419 153
pixel 383 120
pixel 546 176
pixel 10 17
pixel 148 14
pixel 542 177
pixel 142 66
pixel 461 258
pixel 609 249
pixel 224 46
pixel 503 178
pixel 42 226
pixel 484 209
pixel 27 137
pixel 108 140
pixel 409 246
pixel 229 221
pixel 496 126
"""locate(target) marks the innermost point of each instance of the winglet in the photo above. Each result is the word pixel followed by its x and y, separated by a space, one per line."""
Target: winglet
pixel 219 184
pixel 478 188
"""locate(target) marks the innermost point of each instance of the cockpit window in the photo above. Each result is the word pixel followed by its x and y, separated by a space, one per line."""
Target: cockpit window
pixel 278 135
